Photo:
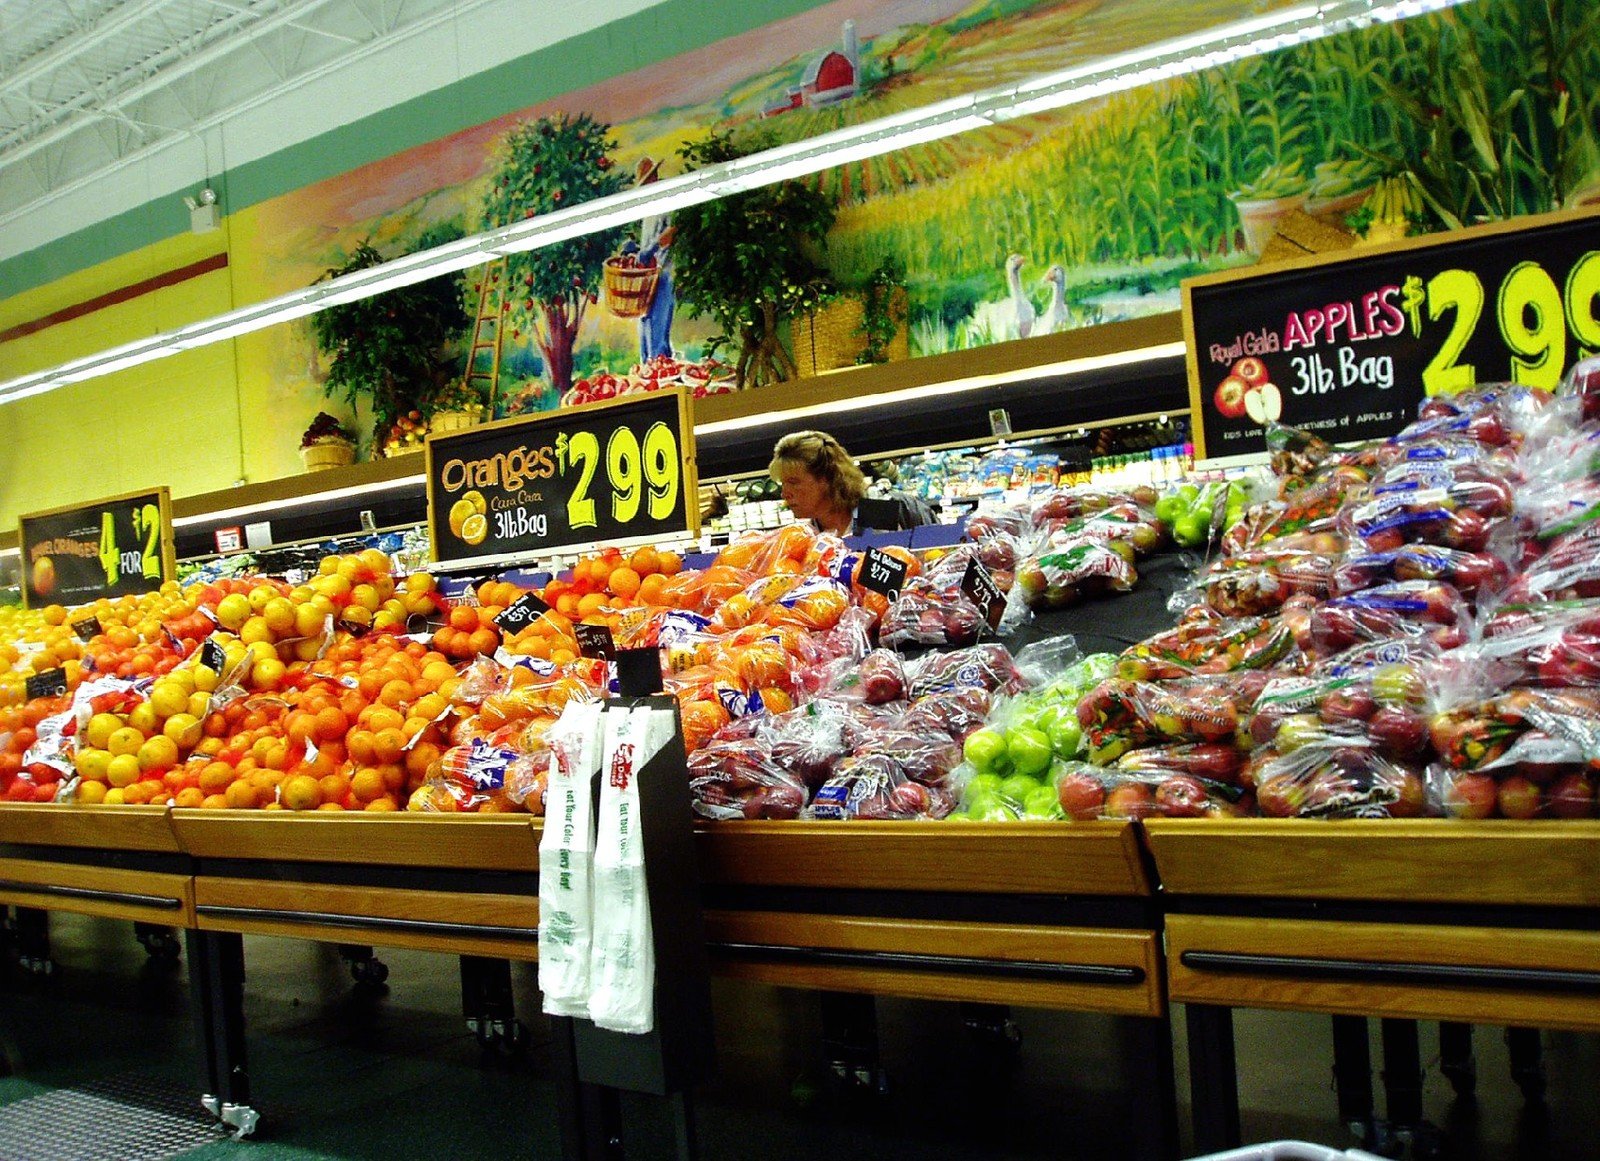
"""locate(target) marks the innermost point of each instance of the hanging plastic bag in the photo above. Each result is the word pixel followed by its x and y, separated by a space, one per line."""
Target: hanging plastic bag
pixel 566 855
pixel 622 969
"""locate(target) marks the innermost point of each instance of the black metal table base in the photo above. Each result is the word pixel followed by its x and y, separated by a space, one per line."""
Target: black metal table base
pixel 216 969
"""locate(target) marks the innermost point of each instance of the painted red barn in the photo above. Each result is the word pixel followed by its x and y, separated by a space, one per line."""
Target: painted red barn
pixel 833 76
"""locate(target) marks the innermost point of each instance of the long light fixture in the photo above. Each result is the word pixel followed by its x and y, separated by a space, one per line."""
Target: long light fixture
pixel 1175 57
pixel 1079 366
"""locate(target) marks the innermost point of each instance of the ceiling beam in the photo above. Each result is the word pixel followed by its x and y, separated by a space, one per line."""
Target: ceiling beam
pixel 160 71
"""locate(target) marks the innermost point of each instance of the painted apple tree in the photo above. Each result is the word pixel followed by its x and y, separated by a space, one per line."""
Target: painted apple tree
pixel 546 165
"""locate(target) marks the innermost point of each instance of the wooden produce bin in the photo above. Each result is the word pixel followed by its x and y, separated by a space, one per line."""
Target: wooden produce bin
pixel 117 862
pixel 1492 922
pixel 1044 915
pixel 459 884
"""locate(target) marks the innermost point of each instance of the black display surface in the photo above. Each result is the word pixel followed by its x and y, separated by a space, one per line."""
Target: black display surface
pixel 615 471
pixel 1348 346
pixel 117 546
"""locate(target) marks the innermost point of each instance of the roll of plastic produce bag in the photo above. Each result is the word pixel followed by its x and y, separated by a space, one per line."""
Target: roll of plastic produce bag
pixel 622 968
pixel 566 857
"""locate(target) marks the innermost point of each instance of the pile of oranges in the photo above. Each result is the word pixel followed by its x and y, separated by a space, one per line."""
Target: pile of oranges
pixel 264 695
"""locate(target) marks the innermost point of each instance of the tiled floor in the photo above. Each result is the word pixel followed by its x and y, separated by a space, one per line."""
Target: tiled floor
pixel 337 1075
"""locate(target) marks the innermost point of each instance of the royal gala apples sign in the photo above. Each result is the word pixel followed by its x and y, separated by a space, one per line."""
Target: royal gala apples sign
pixel 1347 346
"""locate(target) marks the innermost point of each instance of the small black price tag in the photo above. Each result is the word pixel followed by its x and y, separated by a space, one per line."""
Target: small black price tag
pixel 50 683
pixel 882 573
pixel 595 640
pixel 524 611
pixel 87 629
pixel 980 588
pixel 212 656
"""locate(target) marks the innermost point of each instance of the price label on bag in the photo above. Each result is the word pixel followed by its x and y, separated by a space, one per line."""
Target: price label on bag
pixel 118 546
pixel 981 589
pixel 595 640
pixel 521 613
pixel 50 683
pixel 622 470
pixel 1347 346
pixel 882 573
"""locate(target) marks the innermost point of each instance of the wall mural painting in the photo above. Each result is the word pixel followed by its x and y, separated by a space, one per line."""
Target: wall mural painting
pixel 1088 215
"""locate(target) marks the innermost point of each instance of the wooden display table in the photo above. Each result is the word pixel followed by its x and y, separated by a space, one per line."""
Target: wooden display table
pixel 1489 922
pixel 1037 914
pixel 117 862
pixel 461 884
pixel 1042 915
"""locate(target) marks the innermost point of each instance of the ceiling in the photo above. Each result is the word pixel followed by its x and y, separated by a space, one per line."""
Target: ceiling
pixel 91 86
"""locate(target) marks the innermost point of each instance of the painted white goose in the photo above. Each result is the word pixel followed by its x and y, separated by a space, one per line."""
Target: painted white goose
pixel 1055 319
pixel 1012 317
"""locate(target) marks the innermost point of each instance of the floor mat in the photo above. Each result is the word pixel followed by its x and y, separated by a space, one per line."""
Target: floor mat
pixel 133 1117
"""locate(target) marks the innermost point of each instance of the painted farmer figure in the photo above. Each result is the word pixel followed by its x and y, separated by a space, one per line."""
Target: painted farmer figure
pixel 655 241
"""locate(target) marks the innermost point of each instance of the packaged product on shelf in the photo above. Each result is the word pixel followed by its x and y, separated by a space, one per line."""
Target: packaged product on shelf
pixel 1477 576
pixel 1310 510
pixel 1119 715
pixel 1462 506
pixel 1429 609
pixel 876 786
pixel 1333 772
pixel 1207 642
pixel 1258 581
pixel 1382 703
pixel 988 666
pixel 1550 643
pixel 1064 573
pixel 742 778
pixel 1141 785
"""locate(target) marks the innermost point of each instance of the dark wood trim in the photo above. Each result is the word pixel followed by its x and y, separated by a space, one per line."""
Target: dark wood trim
pixel 133 290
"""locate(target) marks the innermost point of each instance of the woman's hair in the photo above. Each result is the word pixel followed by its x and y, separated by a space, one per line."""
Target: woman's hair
pixel 824 457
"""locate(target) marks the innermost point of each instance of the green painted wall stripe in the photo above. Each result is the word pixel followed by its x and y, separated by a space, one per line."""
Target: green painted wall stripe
pixel 657 34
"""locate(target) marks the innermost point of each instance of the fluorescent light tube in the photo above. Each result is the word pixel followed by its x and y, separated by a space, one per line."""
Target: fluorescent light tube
pixel 1170 58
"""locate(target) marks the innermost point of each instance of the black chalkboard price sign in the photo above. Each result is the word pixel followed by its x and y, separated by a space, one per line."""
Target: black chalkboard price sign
pixel 115 547
pixel 1348 345
pixel 623 470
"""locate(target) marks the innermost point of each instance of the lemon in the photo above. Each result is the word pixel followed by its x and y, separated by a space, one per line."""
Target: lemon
pixel 459 511
pixel 475 529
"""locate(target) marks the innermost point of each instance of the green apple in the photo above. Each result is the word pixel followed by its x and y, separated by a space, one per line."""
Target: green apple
pixel 1066 735
pixel 1192 529
pixel 986 749
pixel 1042 803
pixel 1029 749
pixel 998 811
pixel 1017 788
pixel 984 785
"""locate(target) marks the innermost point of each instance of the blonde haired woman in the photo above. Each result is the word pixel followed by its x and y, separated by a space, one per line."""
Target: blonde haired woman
pixel 822 484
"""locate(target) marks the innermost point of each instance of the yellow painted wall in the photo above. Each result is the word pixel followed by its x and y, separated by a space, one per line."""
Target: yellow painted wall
pixel 174 421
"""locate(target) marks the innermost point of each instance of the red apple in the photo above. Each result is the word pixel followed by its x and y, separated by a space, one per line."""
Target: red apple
pixel 1252 370
pixel 1229 397
pixel 1519 797
pixel 1081 796
pixel 1572 796
pixel 1471 796
pixel 1130 800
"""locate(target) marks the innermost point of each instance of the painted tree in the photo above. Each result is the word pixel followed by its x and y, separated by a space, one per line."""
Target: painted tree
pixel 391 349
pixel 750 262
pixel 547 165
